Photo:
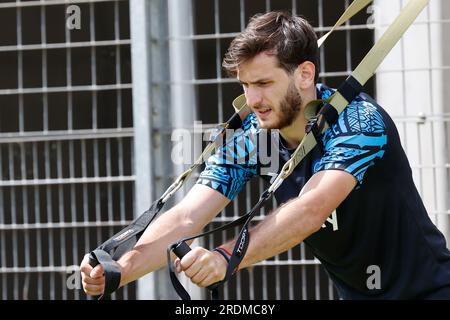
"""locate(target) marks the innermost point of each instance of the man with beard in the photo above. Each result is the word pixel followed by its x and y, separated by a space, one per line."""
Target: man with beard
pixel 359 171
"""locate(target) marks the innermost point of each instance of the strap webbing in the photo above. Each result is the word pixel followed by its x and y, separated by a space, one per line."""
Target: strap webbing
pixel 112 271
pixel 112 249
pixel 125 239
pixel 360 75
pixel 355 7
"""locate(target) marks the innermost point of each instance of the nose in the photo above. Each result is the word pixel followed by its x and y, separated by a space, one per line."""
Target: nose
pixel 253 97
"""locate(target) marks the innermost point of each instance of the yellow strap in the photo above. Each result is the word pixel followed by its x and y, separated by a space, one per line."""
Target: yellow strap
pixel 241 107
pixel 391 36
pixel 362 73
pixel 352 9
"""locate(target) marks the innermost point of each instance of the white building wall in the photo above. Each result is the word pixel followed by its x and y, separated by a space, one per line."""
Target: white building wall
pixel 411 85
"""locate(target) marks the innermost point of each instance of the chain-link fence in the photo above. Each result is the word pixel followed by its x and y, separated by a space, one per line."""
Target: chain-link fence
pixel 77 162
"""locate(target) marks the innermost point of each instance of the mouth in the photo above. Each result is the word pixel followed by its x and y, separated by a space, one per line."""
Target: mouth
pixel 263 113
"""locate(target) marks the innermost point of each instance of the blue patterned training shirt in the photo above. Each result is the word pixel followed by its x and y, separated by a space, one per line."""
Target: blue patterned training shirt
pixel 381 227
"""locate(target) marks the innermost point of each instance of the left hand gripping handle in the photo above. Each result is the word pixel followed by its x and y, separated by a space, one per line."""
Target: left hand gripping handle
pixel 93 262
pixel 112 272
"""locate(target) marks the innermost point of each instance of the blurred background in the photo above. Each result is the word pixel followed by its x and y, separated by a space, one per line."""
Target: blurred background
pixel 91 92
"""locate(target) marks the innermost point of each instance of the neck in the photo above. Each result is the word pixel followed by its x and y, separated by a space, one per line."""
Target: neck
pixel 294 133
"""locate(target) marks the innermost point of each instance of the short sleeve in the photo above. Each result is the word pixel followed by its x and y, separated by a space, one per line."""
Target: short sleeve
pixel 355 142
pixel 233 164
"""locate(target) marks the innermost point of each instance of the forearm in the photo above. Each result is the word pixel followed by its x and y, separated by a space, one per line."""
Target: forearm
pixel 299 218
pixel 187 218
pixel 284 228
pixel 281 230
pixel 149 253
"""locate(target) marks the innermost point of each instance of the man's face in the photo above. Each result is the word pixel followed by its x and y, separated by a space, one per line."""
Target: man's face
pixel 270 91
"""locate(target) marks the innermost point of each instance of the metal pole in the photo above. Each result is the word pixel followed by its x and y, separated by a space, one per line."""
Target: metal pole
pixel 142 120
pixel 183 98
pixel 439 57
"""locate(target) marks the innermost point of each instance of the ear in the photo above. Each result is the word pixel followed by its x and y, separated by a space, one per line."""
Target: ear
pixel 304 75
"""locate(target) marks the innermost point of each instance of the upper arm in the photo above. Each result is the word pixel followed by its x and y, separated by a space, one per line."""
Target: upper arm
pixel 324 192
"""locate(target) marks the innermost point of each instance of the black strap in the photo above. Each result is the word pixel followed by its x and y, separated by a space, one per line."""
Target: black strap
pixel 117 245
pixel 180 248
pixel 330 114
pixel 350 88
pixel 111 271
pixel 124 240
pixel 312 126
pixel 131 233
pixel 243 240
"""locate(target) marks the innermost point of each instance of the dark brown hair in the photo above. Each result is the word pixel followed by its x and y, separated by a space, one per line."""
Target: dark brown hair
pixel 290 38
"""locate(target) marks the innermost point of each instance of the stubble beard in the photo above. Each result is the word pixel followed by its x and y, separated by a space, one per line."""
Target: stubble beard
pixel 289 108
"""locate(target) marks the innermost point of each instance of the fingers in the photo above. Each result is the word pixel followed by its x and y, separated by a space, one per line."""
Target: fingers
pixel 97 272
pixel 207 281
pixel 85 267
pixel 200 277
pixel 93 280
pixel 187 261
pixel 93 290
pixel 193 271
pixel 177 265
pixel 202 266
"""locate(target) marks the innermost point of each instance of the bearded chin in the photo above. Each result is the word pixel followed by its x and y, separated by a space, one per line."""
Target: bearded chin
pixel 290 107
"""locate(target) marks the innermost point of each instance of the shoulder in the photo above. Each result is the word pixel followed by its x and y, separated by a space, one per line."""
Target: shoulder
pixel 361 117
pixel 357 140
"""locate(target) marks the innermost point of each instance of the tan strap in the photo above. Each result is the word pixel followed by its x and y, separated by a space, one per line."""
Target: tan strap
pixel 352 9
pixel 362 73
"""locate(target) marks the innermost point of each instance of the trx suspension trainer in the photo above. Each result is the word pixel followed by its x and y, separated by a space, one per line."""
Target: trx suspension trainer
pixel 330 109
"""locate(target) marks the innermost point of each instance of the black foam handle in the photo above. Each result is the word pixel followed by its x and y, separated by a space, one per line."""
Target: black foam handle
pixel 92 261
pixel 181 249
